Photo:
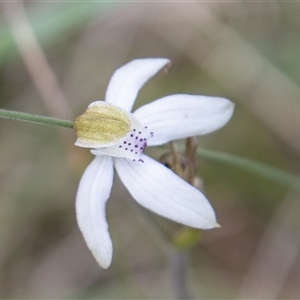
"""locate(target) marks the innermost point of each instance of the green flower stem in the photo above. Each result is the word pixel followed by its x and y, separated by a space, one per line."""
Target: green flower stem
pixel 21 116
pixel 254 167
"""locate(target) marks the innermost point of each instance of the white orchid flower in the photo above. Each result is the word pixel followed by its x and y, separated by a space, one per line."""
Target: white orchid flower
pixel 119 138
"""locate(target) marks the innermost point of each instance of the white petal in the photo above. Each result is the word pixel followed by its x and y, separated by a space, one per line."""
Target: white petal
pixel 180 116
pixel 126 82
pixel 157 188
pixel 93 192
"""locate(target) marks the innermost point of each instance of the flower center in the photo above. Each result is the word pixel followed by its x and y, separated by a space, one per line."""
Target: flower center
pixel 135 143
pixel 132 146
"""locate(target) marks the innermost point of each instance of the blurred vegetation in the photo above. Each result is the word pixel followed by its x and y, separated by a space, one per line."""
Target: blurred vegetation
pixel 245 51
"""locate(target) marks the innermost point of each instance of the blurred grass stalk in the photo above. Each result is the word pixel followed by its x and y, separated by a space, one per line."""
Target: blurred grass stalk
pixel 21 116
pixel 29 33
pixel 254 167
pixel 35 60
pixel 52 24
pixel 237 65
pixel 276 254
pixel 39 69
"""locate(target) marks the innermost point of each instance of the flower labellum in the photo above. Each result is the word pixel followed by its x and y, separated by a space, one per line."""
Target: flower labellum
pixel 118 139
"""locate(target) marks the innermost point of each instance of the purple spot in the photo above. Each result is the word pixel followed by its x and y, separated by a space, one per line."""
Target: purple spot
pixel 141 140
pixel 136 146
pixel 126 148
pixel 140 132
pixel 136 138
pixel 120 146
pixel 132 135
pixel 125 142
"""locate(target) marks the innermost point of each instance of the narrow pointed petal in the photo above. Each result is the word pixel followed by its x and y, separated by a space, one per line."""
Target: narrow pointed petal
pixel 157 188
pixel 93 192
pixel 180 116
pixel 128 80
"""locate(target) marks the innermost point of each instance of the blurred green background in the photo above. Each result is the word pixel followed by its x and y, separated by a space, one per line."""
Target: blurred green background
pixel 245 51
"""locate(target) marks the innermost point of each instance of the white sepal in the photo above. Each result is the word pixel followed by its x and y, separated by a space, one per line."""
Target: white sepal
pixel 93 192
pixel 126 82
pixel 180 116
pixel 157 188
